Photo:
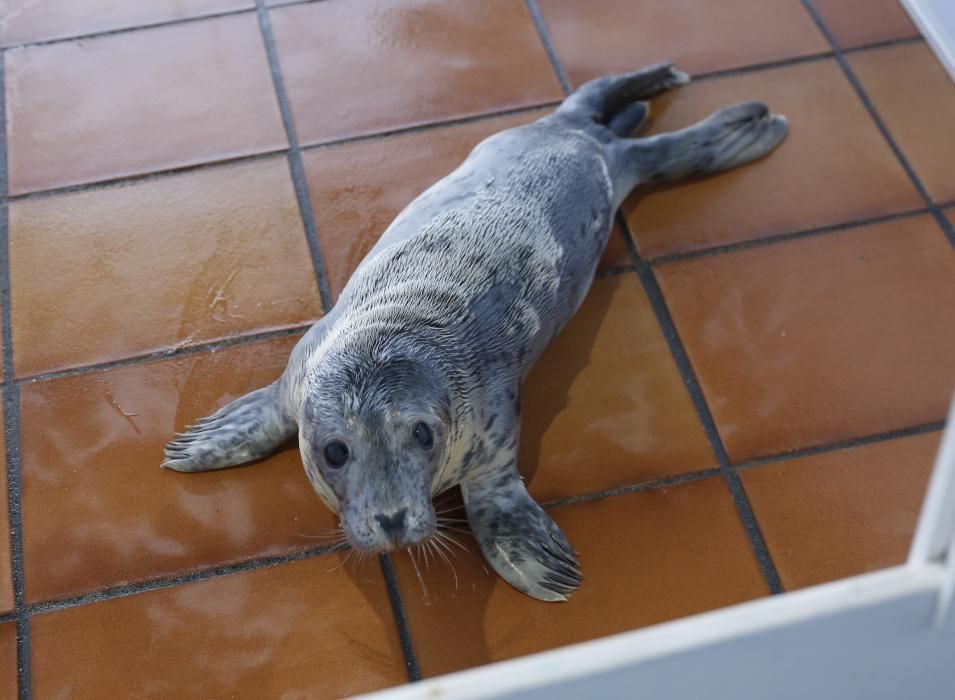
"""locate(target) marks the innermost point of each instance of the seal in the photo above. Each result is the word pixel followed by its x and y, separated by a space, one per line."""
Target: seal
pixel 411 384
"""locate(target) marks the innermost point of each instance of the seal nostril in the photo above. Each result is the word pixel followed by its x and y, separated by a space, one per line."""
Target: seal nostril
pixel 392 524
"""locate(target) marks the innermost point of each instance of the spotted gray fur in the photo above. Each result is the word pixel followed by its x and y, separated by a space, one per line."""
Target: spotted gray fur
pixel 443 319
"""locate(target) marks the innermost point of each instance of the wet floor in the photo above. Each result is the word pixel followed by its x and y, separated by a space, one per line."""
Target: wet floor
pixel 748 402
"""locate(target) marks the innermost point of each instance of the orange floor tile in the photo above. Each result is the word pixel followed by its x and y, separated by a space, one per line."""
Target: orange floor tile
pixel 612 36
pixel 701 560
pixel 417 62
pixel 838 145
pixel 8 664
pixel 830 516
pixel 229 258
pixel 748 401
pixel 29 21
pixel 777 350
pixel 307 629
pixel 913 94
pixel 134 107
pixel 859 22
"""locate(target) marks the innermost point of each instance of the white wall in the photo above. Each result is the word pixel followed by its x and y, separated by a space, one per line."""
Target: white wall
pixel 936 20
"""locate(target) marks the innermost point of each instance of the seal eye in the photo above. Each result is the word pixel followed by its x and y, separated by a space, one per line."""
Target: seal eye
pixel 422 433
pixel 336 453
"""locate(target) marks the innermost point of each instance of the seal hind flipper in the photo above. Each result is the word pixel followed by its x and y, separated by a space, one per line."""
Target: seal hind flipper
pixel 726 139
pixel 629 119
pixel 601 99
pixel 519 540
pixel 250 427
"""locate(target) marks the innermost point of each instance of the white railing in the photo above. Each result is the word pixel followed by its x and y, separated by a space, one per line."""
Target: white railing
pixel 936 20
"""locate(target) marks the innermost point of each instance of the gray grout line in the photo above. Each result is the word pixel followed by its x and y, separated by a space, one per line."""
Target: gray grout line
pixel 296 165
pixel 11 415
pixel 124 591
pixel 797 60
pixel 11 409
pixel 774 239
pixel 615 270
pixel 431 126
pixel 401 617
pixel 548 45
pixel 840 445
pixel 690 381
pixel 648 281
pixel 297 168
pixel 863 96
pixel 758 67
pixel 128 180
pixel 170 353
pixel 654 484
pixel 128 30
pixel 884 44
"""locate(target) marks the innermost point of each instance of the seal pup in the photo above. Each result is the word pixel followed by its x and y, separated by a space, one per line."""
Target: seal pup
pixel 412 382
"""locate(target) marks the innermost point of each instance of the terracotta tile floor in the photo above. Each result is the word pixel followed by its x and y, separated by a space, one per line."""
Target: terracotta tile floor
pixel 748 402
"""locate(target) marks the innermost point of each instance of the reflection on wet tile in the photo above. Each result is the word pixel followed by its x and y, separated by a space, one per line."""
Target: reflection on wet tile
pixel 6 577
pixel 307 629
pixel 91 449
pixel 647 558
pixel 915 97
pixel 619 36
pixel 834 167
pixel 29 20
pixel 368 66
pixel 858 22
pixel 844 513
pixel 8 660
pixel 605 405
pixel 114 272
pixel 820 339
pixel 358 189
pixel 139 102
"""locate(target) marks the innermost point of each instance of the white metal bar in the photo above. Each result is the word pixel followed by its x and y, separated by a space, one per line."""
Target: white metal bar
pixel 936 20
pixel 866 637
pixel 936 525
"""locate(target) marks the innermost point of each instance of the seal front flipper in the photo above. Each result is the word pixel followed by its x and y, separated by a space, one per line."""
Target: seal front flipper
pixel 250 427
pixel 523 544
pixel 253 426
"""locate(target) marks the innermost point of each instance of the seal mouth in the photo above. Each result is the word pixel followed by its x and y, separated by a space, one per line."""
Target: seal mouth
pixel 388 532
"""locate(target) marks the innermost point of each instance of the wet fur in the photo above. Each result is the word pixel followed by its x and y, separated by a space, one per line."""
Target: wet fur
pixel 448 312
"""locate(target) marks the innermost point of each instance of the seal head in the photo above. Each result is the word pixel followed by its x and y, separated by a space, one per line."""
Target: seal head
pixel 373 437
